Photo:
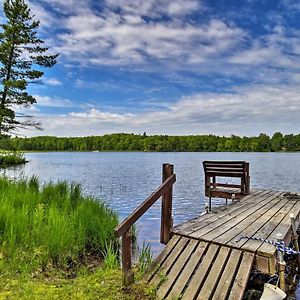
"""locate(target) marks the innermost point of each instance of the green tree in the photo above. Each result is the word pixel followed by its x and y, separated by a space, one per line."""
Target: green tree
pixel 277 141
pixel 21 56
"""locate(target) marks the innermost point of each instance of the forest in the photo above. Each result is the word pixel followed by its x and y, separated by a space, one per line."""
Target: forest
pixel 157 143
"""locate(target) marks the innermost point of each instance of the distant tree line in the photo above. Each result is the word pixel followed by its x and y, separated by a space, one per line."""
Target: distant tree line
pixel 158 143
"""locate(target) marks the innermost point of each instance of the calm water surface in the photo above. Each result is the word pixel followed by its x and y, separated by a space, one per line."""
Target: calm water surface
pixel 123 180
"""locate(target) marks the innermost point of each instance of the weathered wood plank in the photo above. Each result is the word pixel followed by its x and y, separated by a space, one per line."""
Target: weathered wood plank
pixel 188 270
pixel 262 264
pixel 217 228
pixel 283 227
pixel 176 269
pixel 201 273
pixel 224 162
pixel 161 257
pixel 228 275
pixel 192 225
pixel 225 173
pixel 233 210
pixel 250 228
pixel 214 274
pixel 169 261
pixel 250 224
pixel 270 220
pixel 242 276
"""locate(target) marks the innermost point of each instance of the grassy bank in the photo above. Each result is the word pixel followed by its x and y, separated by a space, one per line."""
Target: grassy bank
pixel 98 284
pixel 56 243
pixel 8 158
pixel 51 226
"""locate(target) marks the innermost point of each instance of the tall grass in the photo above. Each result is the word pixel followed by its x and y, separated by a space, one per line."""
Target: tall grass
pixel 145 258
pixel 52 225
pixel 8 158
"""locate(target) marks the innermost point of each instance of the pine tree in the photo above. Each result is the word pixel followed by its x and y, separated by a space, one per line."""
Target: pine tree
pixel 21 57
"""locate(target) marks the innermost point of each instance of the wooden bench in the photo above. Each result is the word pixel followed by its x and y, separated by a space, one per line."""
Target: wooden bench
pixel 231 169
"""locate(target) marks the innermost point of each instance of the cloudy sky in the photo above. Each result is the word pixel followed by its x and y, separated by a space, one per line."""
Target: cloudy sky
pixel 169 67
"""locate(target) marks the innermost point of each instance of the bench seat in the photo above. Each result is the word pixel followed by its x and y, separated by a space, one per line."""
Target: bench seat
pixel 214 170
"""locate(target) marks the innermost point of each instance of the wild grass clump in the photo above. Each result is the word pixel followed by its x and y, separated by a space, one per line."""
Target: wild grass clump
pixel 52 225
pixel 8 159
pixel 145 258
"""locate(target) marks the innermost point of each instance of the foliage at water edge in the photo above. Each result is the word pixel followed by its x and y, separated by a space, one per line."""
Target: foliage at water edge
pixel 159 143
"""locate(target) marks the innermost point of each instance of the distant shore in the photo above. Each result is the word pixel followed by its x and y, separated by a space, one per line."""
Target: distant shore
pixel 124 142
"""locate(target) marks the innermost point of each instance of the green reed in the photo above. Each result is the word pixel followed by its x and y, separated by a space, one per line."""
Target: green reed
pixel 51 225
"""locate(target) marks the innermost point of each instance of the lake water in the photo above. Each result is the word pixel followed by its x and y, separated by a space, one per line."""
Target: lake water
pixel 124 180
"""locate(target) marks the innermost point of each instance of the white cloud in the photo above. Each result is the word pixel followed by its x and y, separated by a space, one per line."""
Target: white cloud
pixel 40 13
pixel 155 8
pixel 119 34
pixel 54 101
pixel 113 40
pixel 96 115
pixel 52 81
pixel 278 48
pixel 292 5
pixel 247 110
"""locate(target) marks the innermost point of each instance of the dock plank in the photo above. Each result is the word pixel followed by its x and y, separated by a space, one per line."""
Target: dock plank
pixel 214 274
pixel 269 222
pixel 249 230
pixel 187 272
pixel 215 210
pixel 217 228
pixel 227 278
pixel 161 257
pixel 242 276
pixel 283 227
pixel 176 269
pixel 239 229
pixel 218 213
pixel 201 273
pixel 168 263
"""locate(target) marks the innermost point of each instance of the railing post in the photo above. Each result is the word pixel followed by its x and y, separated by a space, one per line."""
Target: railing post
pixel 295 237
pixel 281 265
pixel 128 276
pixel 166 208
pixel 247 180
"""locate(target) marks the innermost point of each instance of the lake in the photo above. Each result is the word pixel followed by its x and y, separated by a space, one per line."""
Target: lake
pixel 124 180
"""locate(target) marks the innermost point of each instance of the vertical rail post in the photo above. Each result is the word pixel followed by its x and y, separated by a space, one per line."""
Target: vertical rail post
pixel 295 237
pixel 281 265
pixel 247 179
pixel 128 276
pixel 166 207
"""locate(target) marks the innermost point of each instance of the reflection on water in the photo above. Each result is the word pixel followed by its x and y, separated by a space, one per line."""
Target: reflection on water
pixel 124 180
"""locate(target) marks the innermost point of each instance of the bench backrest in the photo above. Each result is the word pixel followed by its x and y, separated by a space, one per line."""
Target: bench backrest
pixel 238 169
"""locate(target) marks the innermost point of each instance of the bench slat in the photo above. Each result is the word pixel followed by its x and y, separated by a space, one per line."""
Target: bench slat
pixel 226 185
pixel 225 174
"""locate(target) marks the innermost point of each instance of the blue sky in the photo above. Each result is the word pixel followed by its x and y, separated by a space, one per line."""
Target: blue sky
pixel 169 67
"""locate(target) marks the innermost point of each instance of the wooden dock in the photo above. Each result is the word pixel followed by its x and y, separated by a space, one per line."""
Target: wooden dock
pixel 195 269
pixel 211 256
pixel 207 258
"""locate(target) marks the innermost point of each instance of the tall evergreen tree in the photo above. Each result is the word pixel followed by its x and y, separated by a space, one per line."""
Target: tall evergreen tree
pixel 21 57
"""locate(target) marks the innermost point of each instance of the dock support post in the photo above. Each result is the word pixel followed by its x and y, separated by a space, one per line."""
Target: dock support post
pixel 281 265
pixel 166 206
pixel 295 238
pixel 128 276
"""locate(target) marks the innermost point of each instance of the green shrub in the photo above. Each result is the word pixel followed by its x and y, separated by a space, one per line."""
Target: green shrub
pixel 52 225
pixel 8 159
